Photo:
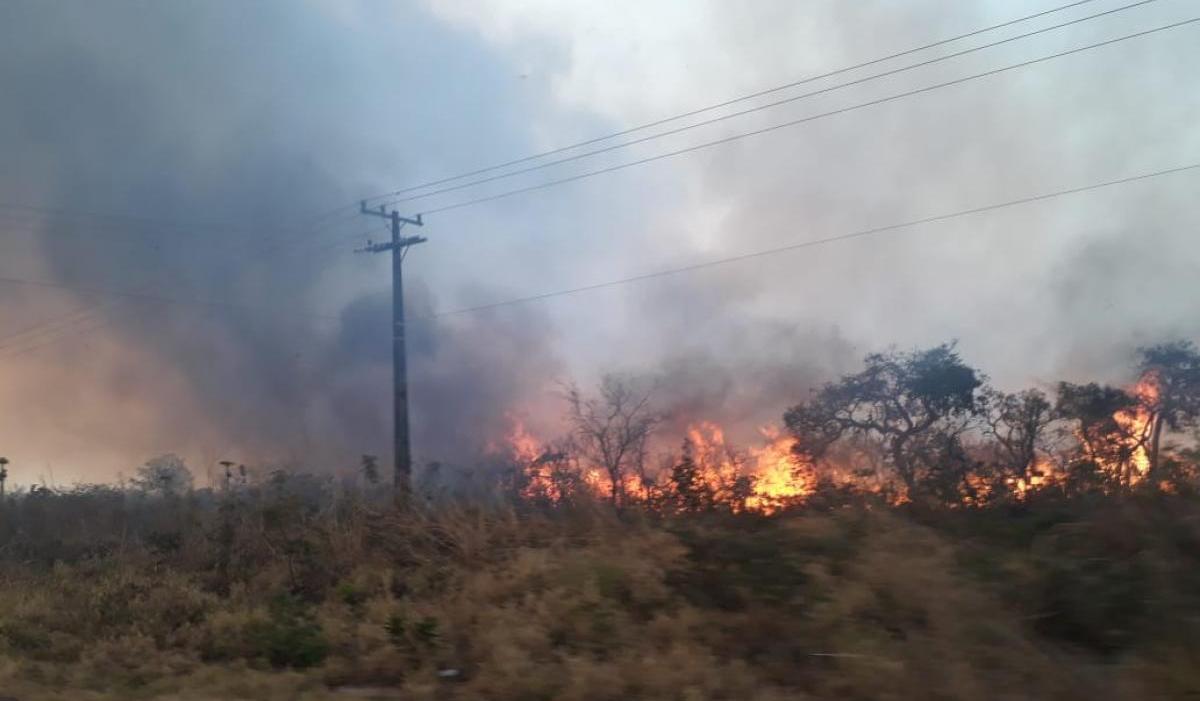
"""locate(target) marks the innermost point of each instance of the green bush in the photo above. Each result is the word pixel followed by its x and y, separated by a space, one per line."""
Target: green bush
pixel 289 636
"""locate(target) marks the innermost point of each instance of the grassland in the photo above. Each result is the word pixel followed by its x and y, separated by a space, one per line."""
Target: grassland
pixel 301 589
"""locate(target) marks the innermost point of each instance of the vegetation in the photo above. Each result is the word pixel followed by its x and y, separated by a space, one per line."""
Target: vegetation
pixel 951 541
pixel 292 587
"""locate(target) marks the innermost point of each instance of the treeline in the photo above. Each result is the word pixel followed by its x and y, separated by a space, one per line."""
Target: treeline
pixel 939 538
pixel 940 432
pixel 910 426
pixel 919 425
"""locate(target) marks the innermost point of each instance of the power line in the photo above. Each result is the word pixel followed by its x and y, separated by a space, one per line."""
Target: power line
pixel 86 324
pixel 46 329
pixel 726 103
pixel 861 233
pixel 768 129
pixel 116 216
pixel 143 296
pixel 116 234
pixel 809 244
pixel 162 223
pixel 78 321
pixel 88 319
pixel 760 108
pixel 795 122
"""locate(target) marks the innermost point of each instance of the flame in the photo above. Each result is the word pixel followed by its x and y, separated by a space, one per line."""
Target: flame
pixel 1136 423
pixel 551 475
pixel 1130 468
pixel 767 477
pixel 764 479
pixel 1043 474
pixel 778 479
pixel 524 449
pixel 523 446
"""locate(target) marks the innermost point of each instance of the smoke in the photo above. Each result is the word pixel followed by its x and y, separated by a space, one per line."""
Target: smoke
pixel 221 128
pixel 225 126
pixel 1032 293
pixel 472 376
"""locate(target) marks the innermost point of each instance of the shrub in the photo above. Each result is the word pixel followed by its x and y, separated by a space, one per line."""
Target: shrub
pixel 289 636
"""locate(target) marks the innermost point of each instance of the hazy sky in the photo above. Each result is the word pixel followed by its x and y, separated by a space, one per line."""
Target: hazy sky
pixel 228 125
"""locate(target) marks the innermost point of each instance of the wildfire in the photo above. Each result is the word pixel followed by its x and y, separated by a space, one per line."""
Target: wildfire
pixel 523 446
pixel 763 479
pixel 766 477
pixel 1136 424
pixel 777 477
pixel 1044 474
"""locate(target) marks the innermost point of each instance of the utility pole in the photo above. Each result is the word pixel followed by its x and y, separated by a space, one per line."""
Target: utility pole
pixel 398 247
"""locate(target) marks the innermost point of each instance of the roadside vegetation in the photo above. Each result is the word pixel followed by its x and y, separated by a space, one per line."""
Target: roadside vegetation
pixel 980 545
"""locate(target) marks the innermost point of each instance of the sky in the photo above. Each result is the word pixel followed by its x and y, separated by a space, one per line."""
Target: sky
pixel 225 133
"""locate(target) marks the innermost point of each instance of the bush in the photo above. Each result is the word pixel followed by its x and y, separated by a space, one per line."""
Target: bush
pixel 1061 597
pixel 289 636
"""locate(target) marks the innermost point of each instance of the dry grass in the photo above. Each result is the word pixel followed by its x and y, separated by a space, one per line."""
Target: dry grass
pixel 276 594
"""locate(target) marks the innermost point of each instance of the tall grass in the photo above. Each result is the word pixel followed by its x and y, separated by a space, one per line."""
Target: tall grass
pixel 300 588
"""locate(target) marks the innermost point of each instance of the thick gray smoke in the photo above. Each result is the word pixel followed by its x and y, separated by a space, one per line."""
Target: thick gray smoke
pixel 225 125
pixel 221 127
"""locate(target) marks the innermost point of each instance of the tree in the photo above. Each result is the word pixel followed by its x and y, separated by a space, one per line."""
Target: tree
pixel 1019 423
pixel 1173 371
pixel 902 399
pixel 167 475
pixel 3 475
pixel 370 469
pixel 228 478
pixel 689 490
pixel 1109 444
pixel 611 430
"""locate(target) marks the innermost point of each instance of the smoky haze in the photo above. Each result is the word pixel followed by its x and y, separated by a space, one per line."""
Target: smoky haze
pixel 225 126
pixel 221 127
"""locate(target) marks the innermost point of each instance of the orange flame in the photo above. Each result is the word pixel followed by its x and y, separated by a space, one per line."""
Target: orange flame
pixel 1136 424
pixel 763 480
pixel 767 477
pixel 778 479
pixel 1043 474
pixel 523 445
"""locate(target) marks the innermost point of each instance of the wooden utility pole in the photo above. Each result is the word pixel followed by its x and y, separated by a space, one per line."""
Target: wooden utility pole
pixel 398 247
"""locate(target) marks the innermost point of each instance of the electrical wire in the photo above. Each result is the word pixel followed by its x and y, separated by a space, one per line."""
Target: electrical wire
pixel 760 108
pixel 795 122
pixel 771 128
pixel 727 103
pixel 142 296
pixel 861 233
pixel 78 321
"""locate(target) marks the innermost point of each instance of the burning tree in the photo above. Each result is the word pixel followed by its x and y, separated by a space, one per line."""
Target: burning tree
pixel 1112 436
pixel 917 404
pixel 1171 381
pixel 910 424
pixel 690 492
pixel 610 431
pixel 1019 425
pixel 709 474
pixel 548 475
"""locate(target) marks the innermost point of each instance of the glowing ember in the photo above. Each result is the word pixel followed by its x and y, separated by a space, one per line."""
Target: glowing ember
pixel 1044 473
